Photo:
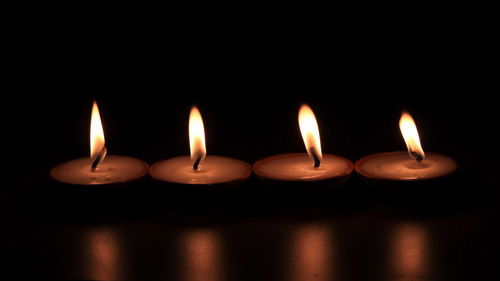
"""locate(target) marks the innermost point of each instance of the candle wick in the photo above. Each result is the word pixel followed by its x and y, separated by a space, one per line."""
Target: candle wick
pixel 315 156
pixel 196 163
pixel 416 156
pixel 98 159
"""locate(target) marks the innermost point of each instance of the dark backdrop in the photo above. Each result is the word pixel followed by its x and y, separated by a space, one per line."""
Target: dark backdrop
pixel 248 90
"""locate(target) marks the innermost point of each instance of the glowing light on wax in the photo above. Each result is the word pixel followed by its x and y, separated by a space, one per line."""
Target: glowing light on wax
pixel 196 137
pixel 310 133
pixel 97 142
pixel 410 135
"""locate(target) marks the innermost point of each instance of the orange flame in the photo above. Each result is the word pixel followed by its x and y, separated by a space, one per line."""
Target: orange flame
pixel 310 132
pixel 410 135
pixel 97 142
pixel 196 135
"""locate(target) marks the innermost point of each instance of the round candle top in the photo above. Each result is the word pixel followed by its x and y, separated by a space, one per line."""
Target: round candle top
pixel 113 169
pixel 213 170
pixel 299 167
pixel 400 166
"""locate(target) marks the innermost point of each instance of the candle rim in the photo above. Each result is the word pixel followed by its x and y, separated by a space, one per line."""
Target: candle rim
pixel 359 163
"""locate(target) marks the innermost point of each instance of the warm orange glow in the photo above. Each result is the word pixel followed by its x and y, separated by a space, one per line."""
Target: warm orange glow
pixel 102 257
pixel 410 135
pixel 201 256
pixel 309 130
pixel 196 135
pixel 96 135
pixel 410 251
pixel 312 253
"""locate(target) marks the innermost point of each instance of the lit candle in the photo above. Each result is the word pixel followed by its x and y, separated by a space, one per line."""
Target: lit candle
pixel 313 166
pixel 200 169
pixel 100 168
pixel 414 165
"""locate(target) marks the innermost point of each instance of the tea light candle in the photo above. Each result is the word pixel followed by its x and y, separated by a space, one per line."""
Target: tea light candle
pixel 304 167
pixel 299 167
pixel 213 170
pixel 413 165
pixel 99 169
pixel 400 166
pixel 200 169
pixel 114 169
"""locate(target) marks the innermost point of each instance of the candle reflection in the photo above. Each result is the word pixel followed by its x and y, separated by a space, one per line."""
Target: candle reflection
pixel 202 257
pixel 410 251
pixel 102 256
pixel 312 257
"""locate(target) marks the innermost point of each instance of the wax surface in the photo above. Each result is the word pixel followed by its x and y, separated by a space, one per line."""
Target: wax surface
pixel 399 166
pixel 300 167
pixel 113 169
pixel 215 169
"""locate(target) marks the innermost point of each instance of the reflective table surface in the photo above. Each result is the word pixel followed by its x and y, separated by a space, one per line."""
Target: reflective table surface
pixel 350 237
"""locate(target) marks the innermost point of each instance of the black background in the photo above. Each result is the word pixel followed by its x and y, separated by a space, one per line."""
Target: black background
pixel 249 83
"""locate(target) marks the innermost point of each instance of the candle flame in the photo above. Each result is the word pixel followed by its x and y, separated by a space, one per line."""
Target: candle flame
pixel 410 135
pixel 196 135
pixel 310 132
pixel 97 148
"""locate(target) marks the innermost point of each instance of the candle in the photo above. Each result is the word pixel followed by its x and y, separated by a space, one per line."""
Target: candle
pixel 99 169
pixel 114 169
pixel 399 166
pixel 312 166
pixel 414 165
pixel 200 169
pixel 214 169
pixel 299 167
